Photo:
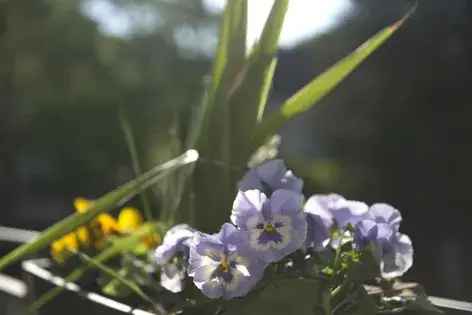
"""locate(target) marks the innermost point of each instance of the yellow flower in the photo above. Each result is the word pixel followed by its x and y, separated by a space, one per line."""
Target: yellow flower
pixel 152 240
pixel 107 224
pixel 103 227
pixel 81 204
pixel 129 220
pixel 100 228
pixel 71 242
pixel 64 247
pixel 57 250
pixel 83 235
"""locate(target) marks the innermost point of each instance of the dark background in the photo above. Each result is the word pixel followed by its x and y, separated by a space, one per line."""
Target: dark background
pixel 397 130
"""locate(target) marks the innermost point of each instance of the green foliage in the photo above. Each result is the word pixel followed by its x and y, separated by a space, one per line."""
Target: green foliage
pixel 118 279
pixel 364 268
pixel 130 142
pixel 103 204
pixel 213 130
pixel 358 303
pixel 247 101
pixel 229 126
pixel 236 98
pixel 304 296
pixel 313 92
pixel 118 247
pixel 279 297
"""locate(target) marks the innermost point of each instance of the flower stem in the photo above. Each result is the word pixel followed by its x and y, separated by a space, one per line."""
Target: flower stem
pixel 129 137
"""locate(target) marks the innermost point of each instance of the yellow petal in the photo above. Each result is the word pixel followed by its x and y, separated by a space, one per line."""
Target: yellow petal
pixel 107 224
pixel 81 204
pixel 151 241
pixel 71 242
pixel 57 250
pixel 83 235
pixel 129 220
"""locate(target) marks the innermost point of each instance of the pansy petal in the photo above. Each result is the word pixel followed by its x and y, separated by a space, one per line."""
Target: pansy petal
pixel 349 212
pixel 270 176
pixel 320 206
pixel 220 264
pixel 213 288
pixel 385 213
pixel 246 204
pixel 173 282
pixel 399 259
pixel 285 202
pixel 205 272
pixel 317 236
pixel 174 241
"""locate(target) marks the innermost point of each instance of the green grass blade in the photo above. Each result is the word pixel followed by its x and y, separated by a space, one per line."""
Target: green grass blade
pixel 229 58
pixel 248 101
pixel 106 203
pixel 314 91
pixel 116 276
pixel 129 138
pixel 266 85
pixel 270 34
pixel 214 139
pixel 118 246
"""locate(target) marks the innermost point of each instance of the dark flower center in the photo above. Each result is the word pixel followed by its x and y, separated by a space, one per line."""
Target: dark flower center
pixel 224 264
pixel 224 269
pixel 269 233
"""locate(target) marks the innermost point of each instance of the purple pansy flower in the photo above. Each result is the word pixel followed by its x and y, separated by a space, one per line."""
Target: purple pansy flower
pixel 172 256
pixel 392 249
pixel 270 176
pixel 385 213
pixel 221 266
pixel 325 212
pixel 276 226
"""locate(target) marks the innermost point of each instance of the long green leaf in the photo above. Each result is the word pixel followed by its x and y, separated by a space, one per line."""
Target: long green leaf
pixel 270 34
pixel 103 204
pixel 248 101
pixel 130 284
pixel 266 85
pixel 215 132
pixel 313 92
pixel 229 57
pixel 129 138
pixel 118 246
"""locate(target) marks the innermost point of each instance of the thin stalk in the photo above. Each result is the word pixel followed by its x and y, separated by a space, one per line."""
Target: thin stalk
pixel 123 280
pixel 131 144
pixel 118 247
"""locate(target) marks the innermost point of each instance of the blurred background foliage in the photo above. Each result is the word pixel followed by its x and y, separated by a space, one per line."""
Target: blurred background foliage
pixel 397 130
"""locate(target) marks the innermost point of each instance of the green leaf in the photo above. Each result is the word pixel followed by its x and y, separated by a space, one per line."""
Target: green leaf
pixel 106 203
pixel 118 246
pixel 366 268
pixel 214 128
pixel 314 91
pixel 116 277
pixel 358 303
pixel 229 58
pixel 129 138
pixel 268 43
pixel 267 77
pixel 248 100
pixel 281 297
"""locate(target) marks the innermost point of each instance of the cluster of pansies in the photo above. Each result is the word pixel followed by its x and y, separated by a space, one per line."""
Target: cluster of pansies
pixel 270 220
pixel 95 234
